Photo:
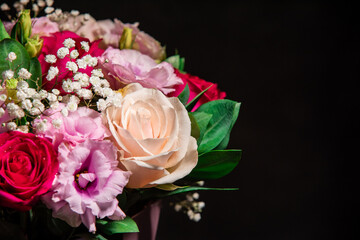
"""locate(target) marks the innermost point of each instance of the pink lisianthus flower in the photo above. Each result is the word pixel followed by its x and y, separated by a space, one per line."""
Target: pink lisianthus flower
pixel 42 26
pixel 76 127
pixel 87 184
pixel 85 59
pixel 127 66
pixel 111 31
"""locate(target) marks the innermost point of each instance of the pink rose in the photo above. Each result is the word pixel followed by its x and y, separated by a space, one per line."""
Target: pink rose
pixel 51 46
pixel 82 124
pixel 196 86
pixel 41 26
pixel 130 66
pixel 152 133
pixel 28 165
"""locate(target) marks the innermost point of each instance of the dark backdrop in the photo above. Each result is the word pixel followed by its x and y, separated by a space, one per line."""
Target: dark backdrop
pixel 293 65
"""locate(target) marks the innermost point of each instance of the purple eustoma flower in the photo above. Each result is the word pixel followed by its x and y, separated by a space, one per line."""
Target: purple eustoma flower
pixel 87 184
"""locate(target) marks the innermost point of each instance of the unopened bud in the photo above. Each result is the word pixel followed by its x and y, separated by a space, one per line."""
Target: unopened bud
pixel 34 45
pixel 126 39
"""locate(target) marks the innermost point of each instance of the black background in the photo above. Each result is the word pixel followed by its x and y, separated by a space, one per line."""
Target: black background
pixel 294 66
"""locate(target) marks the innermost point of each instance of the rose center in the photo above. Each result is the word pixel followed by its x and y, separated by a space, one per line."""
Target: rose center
pixel 83 179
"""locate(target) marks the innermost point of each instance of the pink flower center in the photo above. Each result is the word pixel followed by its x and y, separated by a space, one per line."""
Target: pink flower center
pixel 83 179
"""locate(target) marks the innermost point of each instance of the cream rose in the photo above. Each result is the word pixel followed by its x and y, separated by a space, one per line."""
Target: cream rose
pixel 152 133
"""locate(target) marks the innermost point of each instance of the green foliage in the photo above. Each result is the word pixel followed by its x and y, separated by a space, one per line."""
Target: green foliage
pixel 195 130
pixel 177 62
pixel 224 114
pixel 202 119
pixel 184 95
pixel 22 60
pixel 215 164
pixel 192 103
pixel 113 227
pixel 215 121
pixel 35 69
pixel 3 33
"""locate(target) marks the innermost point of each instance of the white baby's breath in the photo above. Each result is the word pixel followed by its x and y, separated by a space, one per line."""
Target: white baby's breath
pixel 50 58
pixel 69 43
pixel 11 56
pixel 53 71
pixel 24 73
pixel 85 46
pixel 62 52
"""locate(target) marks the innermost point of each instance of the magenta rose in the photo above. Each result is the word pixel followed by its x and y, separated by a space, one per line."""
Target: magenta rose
pixel 28 165
pixel 81 53
pixel 196 86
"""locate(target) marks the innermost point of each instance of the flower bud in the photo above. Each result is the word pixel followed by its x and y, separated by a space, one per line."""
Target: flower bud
pixel 25 24
pixel 11 89
pixel 33 46
pixel 126 40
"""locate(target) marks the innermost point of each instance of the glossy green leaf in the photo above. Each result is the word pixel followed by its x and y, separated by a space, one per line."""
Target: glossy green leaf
pixel 22 57
pixel 195 130
pixel 215 164
pixel 112 227
pixel 35 69
pixel 3 33
pixel 202 120
pixel 184 95
pixel 224 114
pixel 169 187
pixel 193 102
pixel 100 237
pixel 177 62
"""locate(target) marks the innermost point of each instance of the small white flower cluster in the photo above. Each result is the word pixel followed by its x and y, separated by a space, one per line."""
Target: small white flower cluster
pixel 190 206
pixel 79 84
pixel 11 57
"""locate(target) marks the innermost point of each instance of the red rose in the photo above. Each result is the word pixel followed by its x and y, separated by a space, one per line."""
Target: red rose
pixel 28 165
pixel 51 46
pixel 196 86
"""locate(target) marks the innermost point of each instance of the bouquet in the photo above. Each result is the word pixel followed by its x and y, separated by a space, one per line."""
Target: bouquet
pixel 97 124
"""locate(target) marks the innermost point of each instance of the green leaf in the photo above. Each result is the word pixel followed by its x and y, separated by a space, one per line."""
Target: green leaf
pixel 192 103
pixel 226 139
pixel 3 33
pixel 35 69
pixel 157 193
pixel 215 164
pixel 22 57
pixel 195 130
pixel 177 62
pixel 112 227
pixel 224 114
pixel 184 95
pixel 169 187
pixel 100 237
pixel 202 120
